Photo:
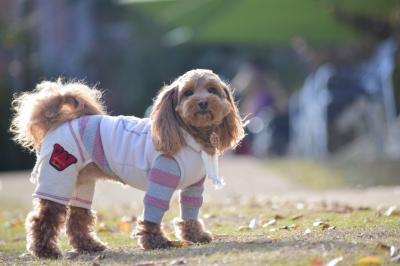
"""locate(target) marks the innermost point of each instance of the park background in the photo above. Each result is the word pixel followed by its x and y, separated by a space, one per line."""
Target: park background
pixel 318 81
pixel 268 50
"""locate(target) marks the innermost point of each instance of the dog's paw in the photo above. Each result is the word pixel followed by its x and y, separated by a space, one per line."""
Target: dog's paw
pixel 90 246
pixel 46 253
pixel 150 236
pixel 192 231
pixel 149 242
pixel 201 237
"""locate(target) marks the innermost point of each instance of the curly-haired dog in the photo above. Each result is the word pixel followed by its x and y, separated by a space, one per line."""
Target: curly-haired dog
pixel 193 120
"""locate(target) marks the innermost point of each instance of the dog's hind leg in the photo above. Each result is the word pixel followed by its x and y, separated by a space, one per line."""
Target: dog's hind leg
pixel 80 230
pixel 81 219
pixel 43 226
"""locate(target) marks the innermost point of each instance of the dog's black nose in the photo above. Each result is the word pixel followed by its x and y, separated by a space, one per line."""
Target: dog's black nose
pixel 203 105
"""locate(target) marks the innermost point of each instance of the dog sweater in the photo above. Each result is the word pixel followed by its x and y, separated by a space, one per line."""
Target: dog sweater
pixel 122 147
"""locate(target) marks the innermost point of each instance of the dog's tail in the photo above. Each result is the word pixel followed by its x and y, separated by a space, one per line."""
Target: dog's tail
pixel 48 106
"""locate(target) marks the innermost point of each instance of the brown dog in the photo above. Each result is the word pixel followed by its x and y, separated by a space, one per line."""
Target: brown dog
pixel 196 109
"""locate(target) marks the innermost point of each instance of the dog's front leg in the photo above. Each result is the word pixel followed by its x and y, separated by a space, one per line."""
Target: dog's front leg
pixel 189 227
pixel 163 180
pixel 43 226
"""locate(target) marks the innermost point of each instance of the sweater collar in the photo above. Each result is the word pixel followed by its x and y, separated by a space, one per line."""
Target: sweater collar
pixel 210 162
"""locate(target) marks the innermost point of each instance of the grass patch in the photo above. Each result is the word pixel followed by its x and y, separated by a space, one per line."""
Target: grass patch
pixel 353 234
pixel 336 173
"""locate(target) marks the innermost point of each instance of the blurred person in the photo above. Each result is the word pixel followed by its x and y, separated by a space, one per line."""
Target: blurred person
pixel 264 103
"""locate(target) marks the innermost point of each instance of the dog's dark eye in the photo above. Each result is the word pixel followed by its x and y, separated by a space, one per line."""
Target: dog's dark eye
pixel 188 93
pixel 212 90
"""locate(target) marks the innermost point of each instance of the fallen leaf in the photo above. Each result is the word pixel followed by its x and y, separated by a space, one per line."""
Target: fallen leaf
pixel 393 251
pixel 323 225
pixel 180 261
pixel 253 224
pixel 316 262
pixel 125 227
pixel 269 223
pixel 289 227
pixel 369 260
pixel 296 217
pixel 383 246
pixel 218 225
pixel 334 261
pixel 391 210
pixel 318 223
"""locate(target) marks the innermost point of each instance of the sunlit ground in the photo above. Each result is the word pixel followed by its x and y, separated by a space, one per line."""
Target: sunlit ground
pixel 252 228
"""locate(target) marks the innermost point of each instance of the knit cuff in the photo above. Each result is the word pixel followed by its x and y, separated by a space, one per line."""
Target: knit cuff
pixel 189 213
pixel 153 214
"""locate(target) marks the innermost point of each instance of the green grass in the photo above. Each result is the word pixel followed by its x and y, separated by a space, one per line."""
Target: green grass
pixel 336 173
pixel 356 235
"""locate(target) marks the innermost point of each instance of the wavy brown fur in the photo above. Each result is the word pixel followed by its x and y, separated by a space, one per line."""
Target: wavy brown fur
pixel 49 105
pixel 80 230
pixel 173 111
pixel 166 134
pixel 192 230
pixel 150 236
pixel 43 226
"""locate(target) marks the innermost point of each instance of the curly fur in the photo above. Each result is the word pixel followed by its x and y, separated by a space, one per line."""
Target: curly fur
pixel 49 105
pixel 54 103
pixel 191 230
pixel 43 225
pixel 80 230
pixel 173 109
pixel 150 236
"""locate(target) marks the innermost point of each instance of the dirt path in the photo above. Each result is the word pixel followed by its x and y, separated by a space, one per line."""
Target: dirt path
pixel 244 177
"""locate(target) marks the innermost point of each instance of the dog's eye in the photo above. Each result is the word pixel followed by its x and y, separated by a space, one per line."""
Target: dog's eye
pixel 212 90
pixel 188 93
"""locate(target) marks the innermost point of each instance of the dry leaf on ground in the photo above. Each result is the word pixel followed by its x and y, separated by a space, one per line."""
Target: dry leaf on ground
pixel 253 224
pixel 125 227
pixel 180 261
pixel 369 260
pixel 334 261
pixel 392 210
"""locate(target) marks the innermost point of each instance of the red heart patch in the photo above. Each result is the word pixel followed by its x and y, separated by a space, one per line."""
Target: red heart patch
pixel 60 158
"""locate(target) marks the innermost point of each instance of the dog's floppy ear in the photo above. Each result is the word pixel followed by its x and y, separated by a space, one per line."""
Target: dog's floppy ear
pixel 166 134
pixel 230 131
